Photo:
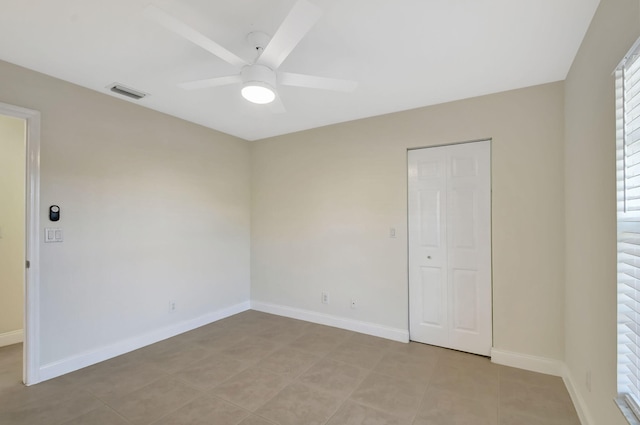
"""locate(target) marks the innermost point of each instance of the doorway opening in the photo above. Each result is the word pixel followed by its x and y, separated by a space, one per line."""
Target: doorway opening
pixel 23 125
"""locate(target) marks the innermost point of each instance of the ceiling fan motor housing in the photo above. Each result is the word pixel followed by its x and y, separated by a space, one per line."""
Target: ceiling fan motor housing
pixel 259 74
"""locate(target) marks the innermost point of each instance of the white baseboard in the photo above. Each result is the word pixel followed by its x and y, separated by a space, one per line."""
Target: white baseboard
pixel 527 362
pixel 88 358
pixel 549 367
pixel 395 334
pixel 10 338
pixel 578 401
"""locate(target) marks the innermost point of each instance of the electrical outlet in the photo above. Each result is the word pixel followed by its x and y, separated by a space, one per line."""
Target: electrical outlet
pixel 588 380
pixel 172 306
pixel 325 298
pixel 354 303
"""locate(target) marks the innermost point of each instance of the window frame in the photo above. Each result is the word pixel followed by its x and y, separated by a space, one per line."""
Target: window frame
pixel 628 233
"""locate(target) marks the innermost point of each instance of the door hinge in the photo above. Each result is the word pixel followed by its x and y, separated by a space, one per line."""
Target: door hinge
pixel 28 264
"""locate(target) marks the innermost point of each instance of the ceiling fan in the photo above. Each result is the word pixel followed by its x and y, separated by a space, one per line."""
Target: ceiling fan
pixel 259 78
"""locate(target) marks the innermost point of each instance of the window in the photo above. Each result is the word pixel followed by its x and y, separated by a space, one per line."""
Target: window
pixel 628 207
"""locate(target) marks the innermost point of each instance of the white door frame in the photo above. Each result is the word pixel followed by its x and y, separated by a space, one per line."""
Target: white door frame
pixel 31 352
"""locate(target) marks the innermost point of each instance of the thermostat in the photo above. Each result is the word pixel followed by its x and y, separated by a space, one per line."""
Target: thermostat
pixel 54 213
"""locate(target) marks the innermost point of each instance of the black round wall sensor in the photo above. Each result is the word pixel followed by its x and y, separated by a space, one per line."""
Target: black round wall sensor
pixel 54 213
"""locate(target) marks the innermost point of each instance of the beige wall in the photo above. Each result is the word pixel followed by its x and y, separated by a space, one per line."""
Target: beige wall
pixel 153 210
pixel 323 202
pixel 12 222
pixel 590 207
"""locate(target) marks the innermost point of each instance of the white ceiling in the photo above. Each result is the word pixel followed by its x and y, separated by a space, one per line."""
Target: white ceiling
pixel 404 53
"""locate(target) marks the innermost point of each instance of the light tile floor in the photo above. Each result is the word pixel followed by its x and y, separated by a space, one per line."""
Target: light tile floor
pixel 259 369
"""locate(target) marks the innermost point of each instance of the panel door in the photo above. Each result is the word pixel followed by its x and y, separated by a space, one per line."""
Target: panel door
pixel 450 246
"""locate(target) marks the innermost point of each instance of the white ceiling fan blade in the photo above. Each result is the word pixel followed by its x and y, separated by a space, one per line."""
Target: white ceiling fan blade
pixel 313 82
pixel 175 25
pixel 211 82
pixel 295 26
pixel 277 107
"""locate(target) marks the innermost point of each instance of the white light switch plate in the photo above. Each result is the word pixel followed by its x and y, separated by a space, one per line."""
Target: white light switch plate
pixel 52 234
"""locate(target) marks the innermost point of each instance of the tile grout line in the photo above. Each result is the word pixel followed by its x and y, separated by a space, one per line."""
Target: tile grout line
pixel 424 394
pixel 199 395
pixel 348 397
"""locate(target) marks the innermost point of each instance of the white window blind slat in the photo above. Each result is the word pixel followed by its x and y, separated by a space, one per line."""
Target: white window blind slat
pixel 630 149
pixel 631 161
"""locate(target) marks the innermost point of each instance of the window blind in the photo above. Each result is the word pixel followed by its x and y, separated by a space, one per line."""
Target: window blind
pixel 628 213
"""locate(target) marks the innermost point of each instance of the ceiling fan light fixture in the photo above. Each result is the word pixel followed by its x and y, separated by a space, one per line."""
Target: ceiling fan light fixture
pixel 258 92
pixel 258 84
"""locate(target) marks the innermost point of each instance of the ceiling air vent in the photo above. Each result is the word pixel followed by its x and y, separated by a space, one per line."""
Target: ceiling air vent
pixel 126 91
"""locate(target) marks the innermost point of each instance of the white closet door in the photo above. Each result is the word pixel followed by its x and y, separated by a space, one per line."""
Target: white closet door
pixel 450 246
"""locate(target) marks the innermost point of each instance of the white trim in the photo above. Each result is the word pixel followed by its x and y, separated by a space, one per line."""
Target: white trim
pixel 547 366
pixel 527 362
pixel 629 408
pixel 395 334
pixel 578 402
pixel 89 358
pixel 10 338
pixel 31 352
